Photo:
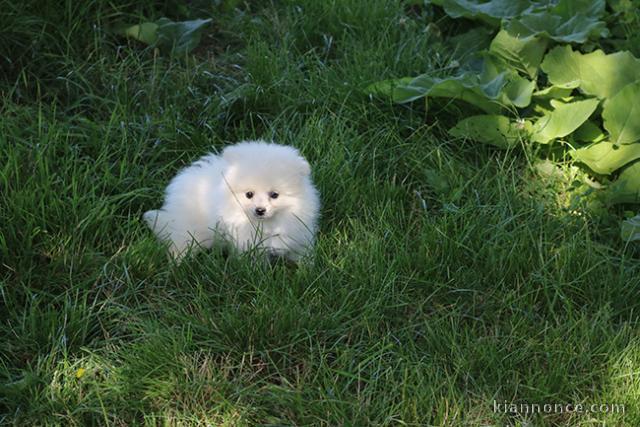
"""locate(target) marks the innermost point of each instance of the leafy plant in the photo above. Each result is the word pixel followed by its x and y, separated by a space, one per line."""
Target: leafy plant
pixel 534 84
pixel 178 37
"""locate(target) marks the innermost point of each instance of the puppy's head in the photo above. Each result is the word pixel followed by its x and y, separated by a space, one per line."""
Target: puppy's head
pixel 265 179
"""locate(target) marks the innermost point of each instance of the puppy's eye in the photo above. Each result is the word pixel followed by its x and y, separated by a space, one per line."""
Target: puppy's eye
pixel 274 194
pixel 249 194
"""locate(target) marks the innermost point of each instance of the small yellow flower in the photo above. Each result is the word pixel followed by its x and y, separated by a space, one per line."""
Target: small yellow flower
pixel 80 373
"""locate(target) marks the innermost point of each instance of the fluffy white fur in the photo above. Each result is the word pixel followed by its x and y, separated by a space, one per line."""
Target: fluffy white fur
pixel 208 202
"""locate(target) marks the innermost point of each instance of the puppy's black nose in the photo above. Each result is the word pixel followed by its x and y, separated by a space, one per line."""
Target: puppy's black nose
pixel 260 211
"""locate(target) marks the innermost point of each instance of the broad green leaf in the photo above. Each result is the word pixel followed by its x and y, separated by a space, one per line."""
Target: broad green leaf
pixel 626 189
pixel 595 73
pixel 385 87
pixel 630 229
pixel 470 42
pixel 181 37
pixel 605 157
pixel 563 67
pixel 568 8
pixel 496 130
pixel 518 91
pixel 481 86
pixel 564 119
pixel 145 32
pixel 589 132
pixel 524 54
pixel 621 115
pixel 553 92
pixel 463 87
pixel 485 84
pixel 568 21
pixel 493 76
pixel 489 11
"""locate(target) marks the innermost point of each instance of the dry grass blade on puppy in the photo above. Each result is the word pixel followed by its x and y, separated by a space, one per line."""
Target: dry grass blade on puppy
pixel 254 194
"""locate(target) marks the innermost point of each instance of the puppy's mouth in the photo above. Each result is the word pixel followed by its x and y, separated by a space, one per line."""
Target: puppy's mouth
pixel 261 216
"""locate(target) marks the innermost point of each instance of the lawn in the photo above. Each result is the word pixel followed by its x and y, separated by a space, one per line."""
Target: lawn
pixel 448 277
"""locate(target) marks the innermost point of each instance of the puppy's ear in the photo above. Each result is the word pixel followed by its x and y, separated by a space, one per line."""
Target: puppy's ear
pixel 230 154
pixel 305 169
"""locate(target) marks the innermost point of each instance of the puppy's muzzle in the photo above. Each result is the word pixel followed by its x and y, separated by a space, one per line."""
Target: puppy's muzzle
pixel 260 211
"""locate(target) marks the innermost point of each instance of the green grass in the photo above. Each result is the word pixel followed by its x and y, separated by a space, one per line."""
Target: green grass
pixel 447 275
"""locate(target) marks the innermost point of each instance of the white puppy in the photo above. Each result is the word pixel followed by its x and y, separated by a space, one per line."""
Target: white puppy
pixel 253 195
